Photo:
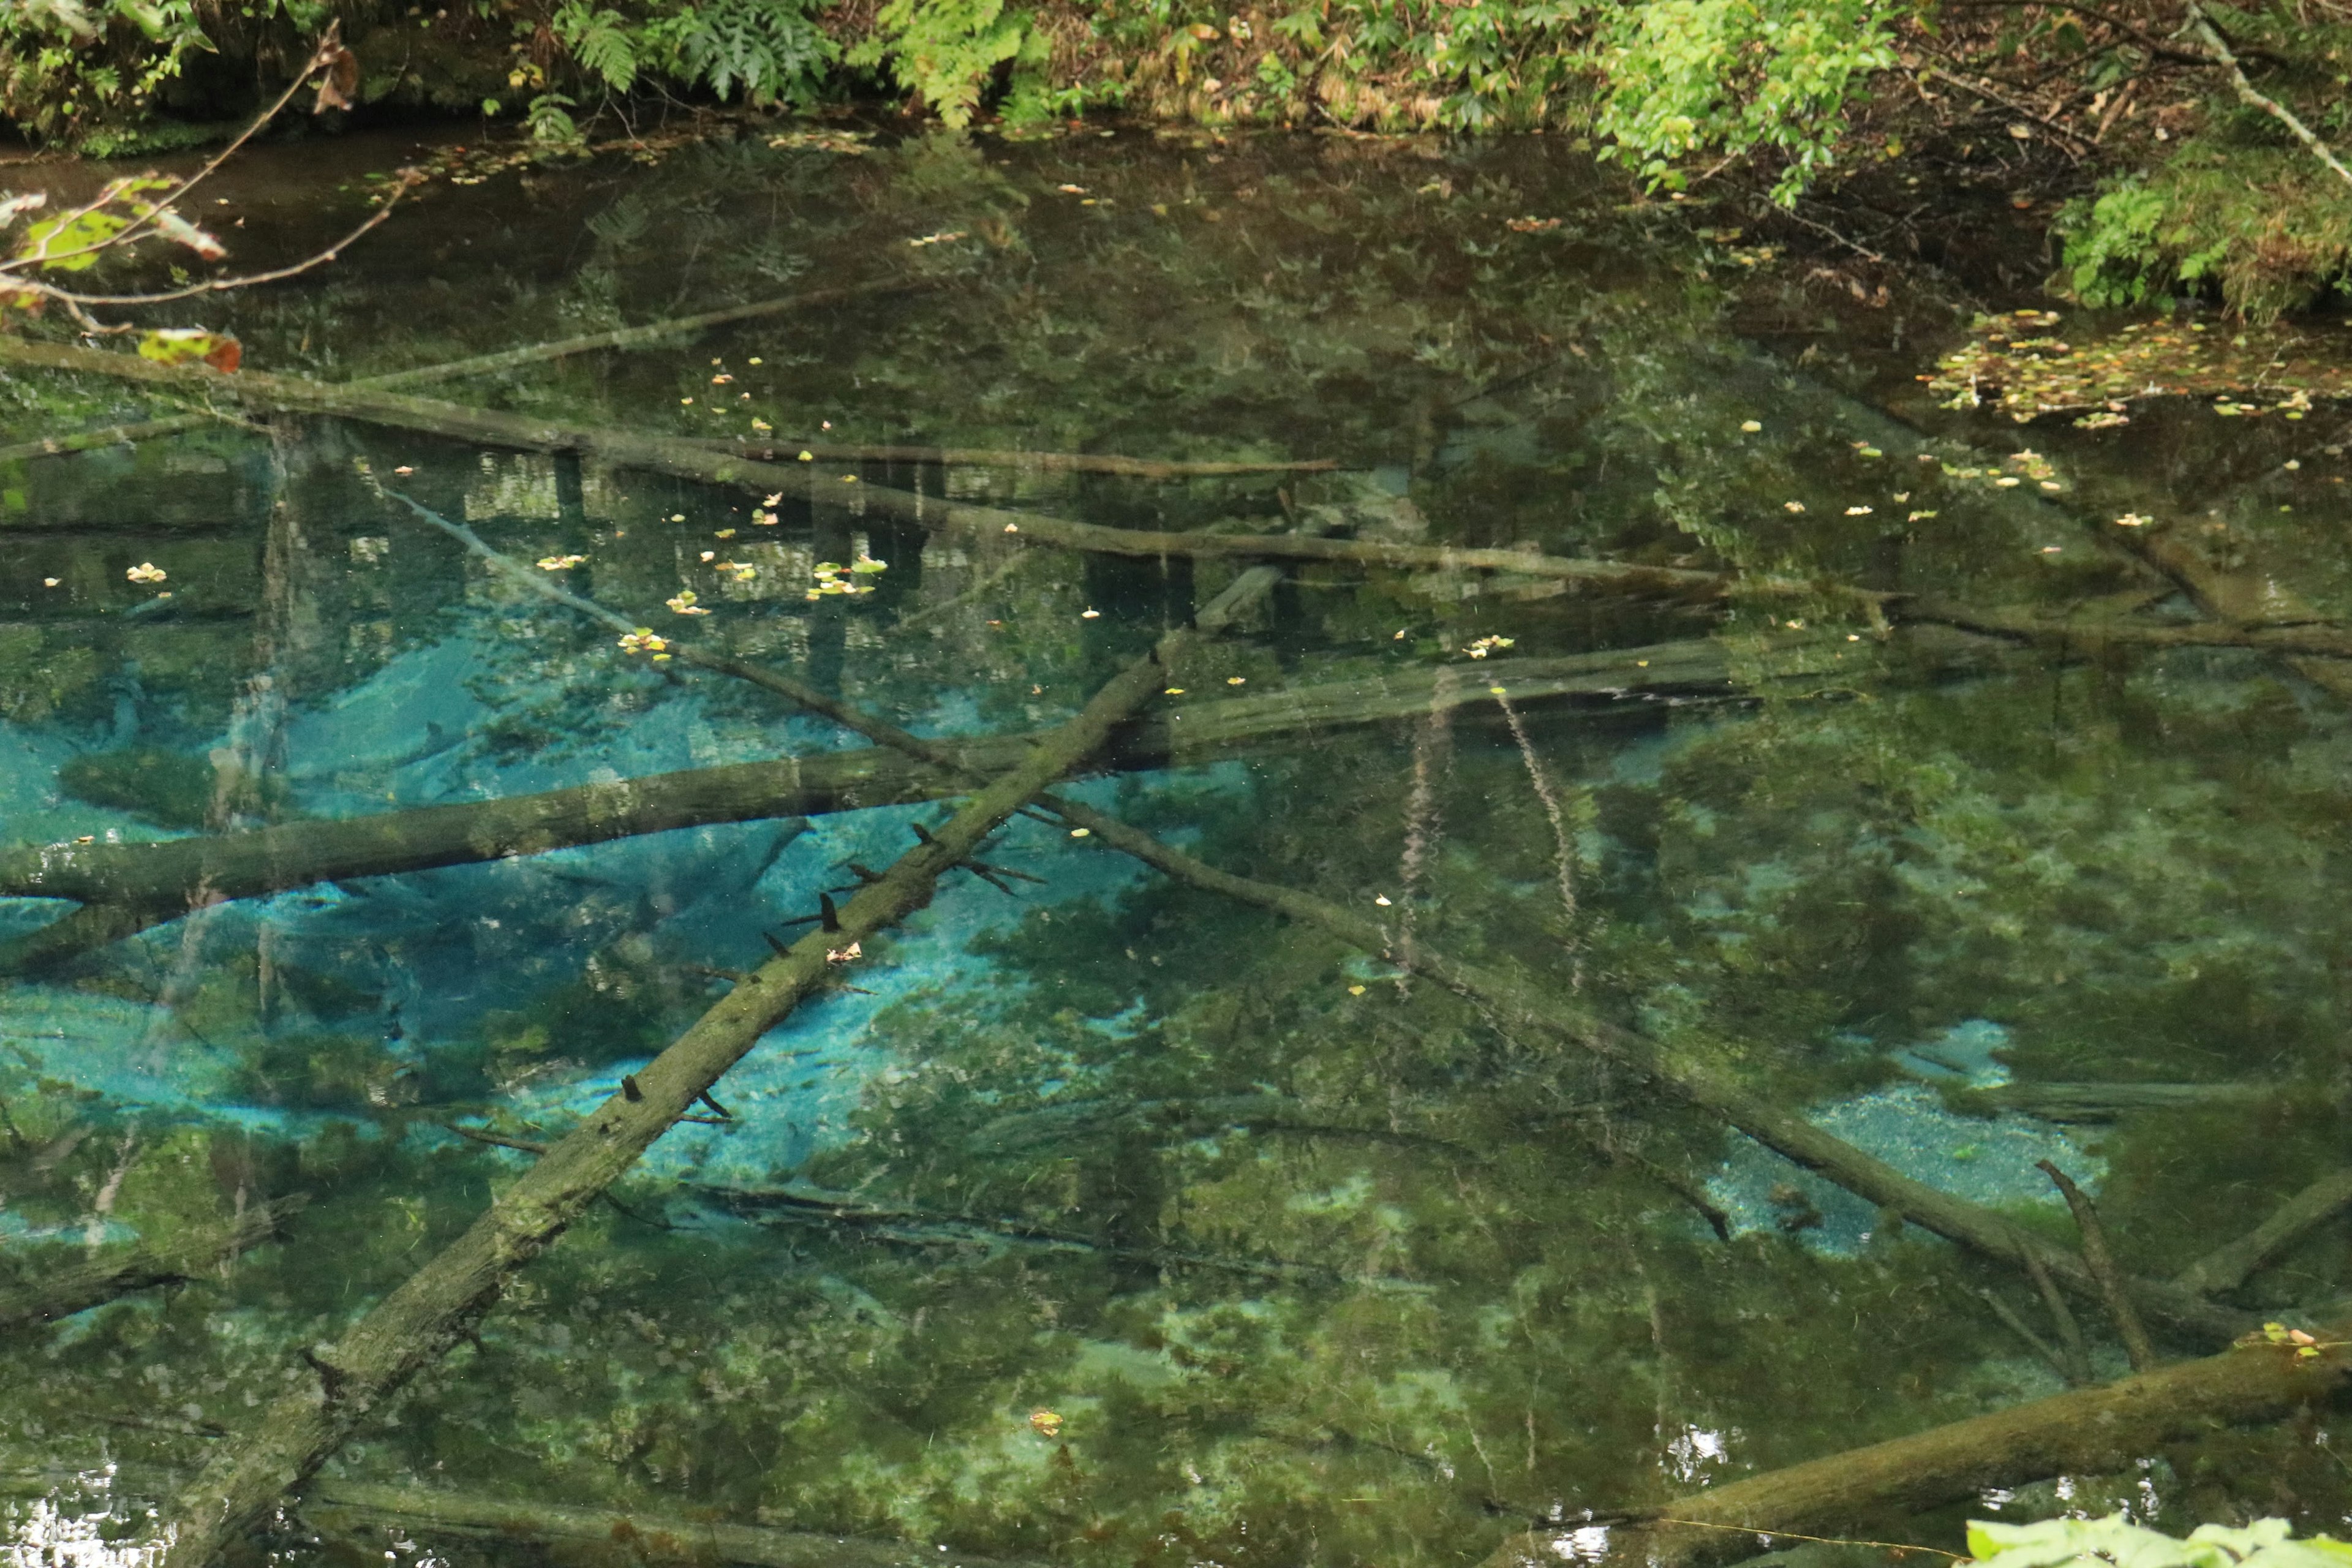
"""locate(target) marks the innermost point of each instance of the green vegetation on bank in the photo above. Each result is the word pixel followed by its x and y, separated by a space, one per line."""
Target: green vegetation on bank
pixel 2195 137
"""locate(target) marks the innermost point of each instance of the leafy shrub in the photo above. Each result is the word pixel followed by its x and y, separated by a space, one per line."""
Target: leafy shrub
pixel 2104 1542
pixel 769 51
pixel 1693 77
pixel 2267 228
pixel 945 50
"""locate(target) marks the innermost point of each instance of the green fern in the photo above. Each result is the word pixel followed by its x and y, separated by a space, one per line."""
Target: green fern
pixel 600 41
pixel 945 50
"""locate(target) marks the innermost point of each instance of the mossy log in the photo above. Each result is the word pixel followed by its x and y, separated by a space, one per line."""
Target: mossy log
pixel 351 1506
pixel 435 1305
pixel 684 459
pixel 2107 1101
pixel 83 1279
pixel 2083 1429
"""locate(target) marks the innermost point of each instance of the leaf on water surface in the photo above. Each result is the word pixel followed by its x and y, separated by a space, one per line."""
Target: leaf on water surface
pixel 189 345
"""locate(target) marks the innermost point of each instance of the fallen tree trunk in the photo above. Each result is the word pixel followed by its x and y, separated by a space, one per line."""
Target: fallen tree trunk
pixel 2083 1429
pixel 684 459
pixel 131 887
pixel 985 458
pixel 352 1506
pixel 61 1289
pixel 421 1319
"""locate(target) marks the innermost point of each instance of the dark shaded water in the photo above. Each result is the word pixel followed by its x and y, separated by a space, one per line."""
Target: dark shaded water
pixel 1179 1234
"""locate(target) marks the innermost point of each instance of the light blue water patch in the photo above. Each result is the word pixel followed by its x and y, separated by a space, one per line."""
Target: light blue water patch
pixel 1991 1162
pixel 1962 1054
pixel 794 1093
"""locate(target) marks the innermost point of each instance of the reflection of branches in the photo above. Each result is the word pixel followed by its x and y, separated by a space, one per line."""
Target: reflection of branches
pixel 90 231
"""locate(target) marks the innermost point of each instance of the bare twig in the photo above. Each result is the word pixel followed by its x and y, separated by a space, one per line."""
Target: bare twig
pixel 2017 1325
pixel 2204 29
pixel 2075 1363
pixel 2080 142
pixel 2102 1264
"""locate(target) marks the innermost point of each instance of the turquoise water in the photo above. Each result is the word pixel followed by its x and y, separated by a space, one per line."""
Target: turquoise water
pixel 1135 1225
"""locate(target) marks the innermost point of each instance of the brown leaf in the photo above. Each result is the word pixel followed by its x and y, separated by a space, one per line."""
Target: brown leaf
pixel 340 80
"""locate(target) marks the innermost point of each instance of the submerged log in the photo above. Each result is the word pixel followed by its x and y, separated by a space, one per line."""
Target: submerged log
pixel 134 886
pixel 429 1311
pixel 2107 1101
pixel 683 458
pixel 352 1506
pixel 87 1280
pixel 2231 1265
pixel 639 337
pixel 1518 1003
pixel 986 458
pixel 2083 1429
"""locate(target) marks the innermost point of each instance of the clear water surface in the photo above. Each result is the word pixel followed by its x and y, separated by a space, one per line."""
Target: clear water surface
pixel 1159 1230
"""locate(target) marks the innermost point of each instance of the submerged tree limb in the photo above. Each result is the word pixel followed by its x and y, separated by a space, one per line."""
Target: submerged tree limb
pixel 2231 1265
pixel 428 1312
pixel 931 1228
pixel 639 337
pixel 130 887
pixel 985 458
pixel 684 459
pixel 350 1506
pixel 2087 635
pixel 109 436
pixel 2104 1271
pixel 90 1281
pixel 1705 1085
pixel 2085 1429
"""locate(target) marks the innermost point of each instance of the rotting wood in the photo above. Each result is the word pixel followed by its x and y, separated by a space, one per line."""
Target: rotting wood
pixel 2104 1273
pixel 2231 1265
pixel 429 1311
pixel 683 458
pixel 92 1281
pixel 350 1507
pixel 987 458
pixel 2083 1429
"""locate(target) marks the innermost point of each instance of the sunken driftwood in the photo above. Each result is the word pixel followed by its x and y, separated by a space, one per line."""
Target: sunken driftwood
pixel 129 888
pixel 2107 1101
pixel 1519 1004
pixel 684 459
pixel 89 1281
pixel 2089 635
pixel 2085 1429
pixel 109 436
pixel 434 1307
pixel 2100 1258
pixel 351 1506
pixel 931 1227
pixel 2231 1265
pixel 984 458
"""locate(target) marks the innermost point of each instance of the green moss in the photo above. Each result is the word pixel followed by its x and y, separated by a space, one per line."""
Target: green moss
pixel 168 788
